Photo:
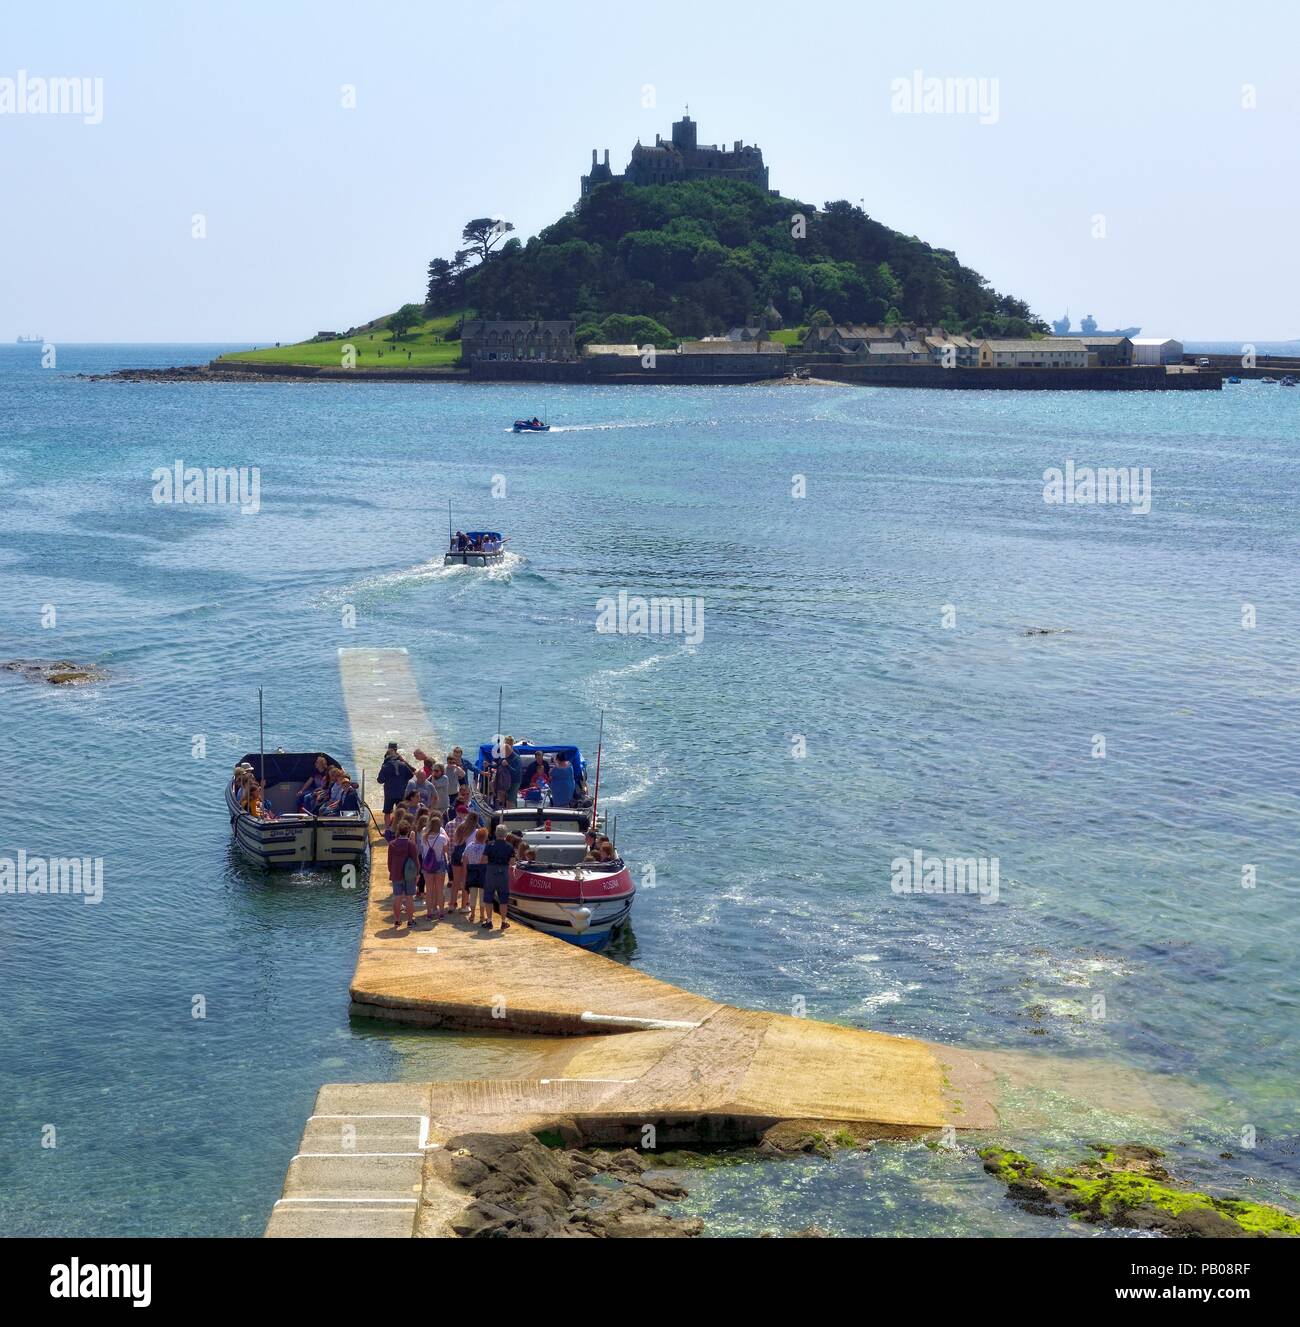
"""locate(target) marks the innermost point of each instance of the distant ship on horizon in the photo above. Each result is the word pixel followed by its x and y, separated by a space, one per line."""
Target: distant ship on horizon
pixel 1088 327
pixel 31 340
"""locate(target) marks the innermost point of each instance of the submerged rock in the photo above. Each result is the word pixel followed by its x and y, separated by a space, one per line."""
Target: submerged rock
pixel 1127 1186
pixel 520 1188
pixel 57 672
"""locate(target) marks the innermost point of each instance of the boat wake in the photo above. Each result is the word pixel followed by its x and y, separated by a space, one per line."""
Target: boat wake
pixel 595 428
pixel 423 573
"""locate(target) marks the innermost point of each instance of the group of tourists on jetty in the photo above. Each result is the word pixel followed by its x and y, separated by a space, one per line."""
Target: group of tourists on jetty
pixel 439 849
pixel 328 791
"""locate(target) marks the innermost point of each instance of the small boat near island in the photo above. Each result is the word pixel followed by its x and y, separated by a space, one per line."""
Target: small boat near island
pixel 533 425
pixel 287 838
pixel 1234 379
pixel 562 892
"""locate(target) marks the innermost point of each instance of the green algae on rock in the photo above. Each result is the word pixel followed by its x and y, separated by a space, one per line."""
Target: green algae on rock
pixel 1125 1185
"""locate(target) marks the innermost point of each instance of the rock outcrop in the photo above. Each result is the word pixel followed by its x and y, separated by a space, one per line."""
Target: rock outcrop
pixel 1127 1186
pixel 57 672
pixel 521 1189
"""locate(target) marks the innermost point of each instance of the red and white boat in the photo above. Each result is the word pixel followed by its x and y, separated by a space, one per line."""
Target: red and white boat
pixel 560 893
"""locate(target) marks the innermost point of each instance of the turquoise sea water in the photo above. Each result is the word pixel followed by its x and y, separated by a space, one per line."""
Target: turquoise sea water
pixel 1119 877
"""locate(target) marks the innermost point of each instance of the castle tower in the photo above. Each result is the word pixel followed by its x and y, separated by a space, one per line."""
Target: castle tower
pixel 600 174
pixel 684 134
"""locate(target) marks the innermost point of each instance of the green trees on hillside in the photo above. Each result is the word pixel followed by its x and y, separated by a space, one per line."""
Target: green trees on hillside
pixel 703 256
pixel 401 322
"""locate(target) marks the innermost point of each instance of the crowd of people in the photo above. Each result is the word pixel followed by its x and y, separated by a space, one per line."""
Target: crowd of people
pixel 510 779
pixel 438 849
pixel 328 791
pixel 475 543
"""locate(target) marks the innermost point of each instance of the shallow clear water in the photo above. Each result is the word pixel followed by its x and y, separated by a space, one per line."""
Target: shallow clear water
pixel 1119 877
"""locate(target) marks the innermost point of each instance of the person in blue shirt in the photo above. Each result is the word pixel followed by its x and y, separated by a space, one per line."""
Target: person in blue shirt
pixel 348 800
pixel 562 781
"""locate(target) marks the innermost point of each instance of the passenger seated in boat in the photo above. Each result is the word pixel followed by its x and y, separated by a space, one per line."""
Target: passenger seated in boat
pixel 258 807
pixel 348 800
pixel 535 774
pixel 318 781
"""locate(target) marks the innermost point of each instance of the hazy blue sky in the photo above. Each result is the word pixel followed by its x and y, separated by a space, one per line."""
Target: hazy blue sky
pixel 321 217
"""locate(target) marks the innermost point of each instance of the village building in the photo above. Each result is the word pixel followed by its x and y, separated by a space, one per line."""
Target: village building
pixel 1106 352
pixel 1157 350
pixel 953 351
pixel 846 338
pixel 1049 352
pixel 550 342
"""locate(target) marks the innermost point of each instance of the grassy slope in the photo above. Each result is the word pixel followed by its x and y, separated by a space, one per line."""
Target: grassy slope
pixel 425 342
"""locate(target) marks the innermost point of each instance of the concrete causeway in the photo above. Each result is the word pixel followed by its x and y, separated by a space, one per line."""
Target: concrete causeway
pixel 629 1051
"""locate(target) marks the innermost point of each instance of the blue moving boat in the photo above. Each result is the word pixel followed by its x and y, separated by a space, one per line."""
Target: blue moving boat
pixel 291 838
pixel 531 426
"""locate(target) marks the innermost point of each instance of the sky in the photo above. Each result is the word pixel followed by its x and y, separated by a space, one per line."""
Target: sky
pixel 1139 162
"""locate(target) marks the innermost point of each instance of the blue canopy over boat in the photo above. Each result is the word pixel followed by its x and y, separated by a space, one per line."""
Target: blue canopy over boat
pixel 574 756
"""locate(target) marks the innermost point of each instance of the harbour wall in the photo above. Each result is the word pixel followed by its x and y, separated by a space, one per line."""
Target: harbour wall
pixel 722 370
pixel 1151 378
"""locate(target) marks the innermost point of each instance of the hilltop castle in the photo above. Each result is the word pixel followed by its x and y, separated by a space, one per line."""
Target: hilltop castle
pixel 682 158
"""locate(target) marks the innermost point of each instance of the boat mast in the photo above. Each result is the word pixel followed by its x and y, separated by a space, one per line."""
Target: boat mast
pixel 595 797
pixel 261 737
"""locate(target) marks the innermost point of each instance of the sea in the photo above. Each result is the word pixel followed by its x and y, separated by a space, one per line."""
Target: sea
pixel 902 646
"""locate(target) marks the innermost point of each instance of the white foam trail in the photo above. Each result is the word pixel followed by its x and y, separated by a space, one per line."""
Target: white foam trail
pixel 591 428
pixel 641 666
pixel 433 570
